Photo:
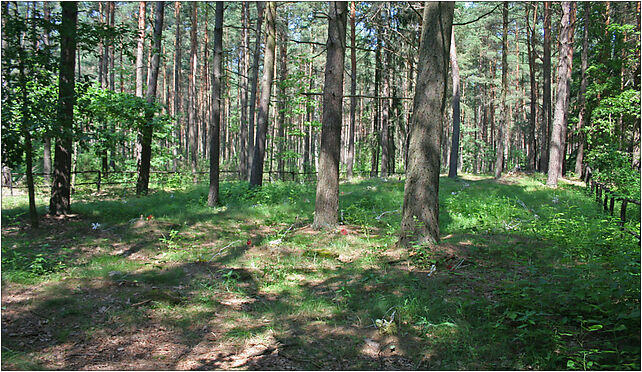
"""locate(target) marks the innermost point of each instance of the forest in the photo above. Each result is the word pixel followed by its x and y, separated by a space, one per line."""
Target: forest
pixel 320 185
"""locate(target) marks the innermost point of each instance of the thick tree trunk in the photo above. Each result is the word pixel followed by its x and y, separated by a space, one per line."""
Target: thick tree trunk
pixel 191 109
pixel 256 176
pixel 326 210
pixel 353 91
pixel 147 131
pixel 454 149
pixel 420 215
pixel 503 124
pixel 59 203
pixel 546 94
pixel 254 79
pixel 212 197
pixel 562 98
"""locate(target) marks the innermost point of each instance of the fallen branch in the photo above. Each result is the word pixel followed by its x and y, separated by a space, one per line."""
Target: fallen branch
pixel 141 303
pixel 222 249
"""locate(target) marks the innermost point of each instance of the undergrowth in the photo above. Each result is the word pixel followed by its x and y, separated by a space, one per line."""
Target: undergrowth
pixel 525 277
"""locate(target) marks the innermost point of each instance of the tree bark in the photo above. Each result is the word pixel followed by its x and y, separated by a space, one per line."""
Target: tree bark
pixel 213 197
pixel 530 36
pixel 282 99
pixel 326 211
pixel 256 176
pixel 385 104
pixel 353 91
pixel 254 86
pixel 374 165
pixel 420 215
pixel 454 149
pixel 546 94
pixel 177 85
pixel 59 203
pixel 562 98
pixel 46 163
pixel 146 132
pixel 243 61
pixel 191 109
pixel 140 48
pixel 503 125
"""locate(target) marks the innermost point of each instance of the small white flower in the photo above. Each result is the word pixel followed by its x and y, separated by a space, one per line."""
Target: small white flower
pixel 95 226
pixel 171 196
pixel 454 193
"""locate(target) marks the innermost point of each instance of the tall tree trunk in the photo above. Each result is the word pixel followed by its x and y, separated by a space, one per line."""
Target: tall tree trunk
pixel 582 94
pixel 177 86
pixel 254 79
pixel 503 124
pixel 420 215
pixel 191 109
pixel 326 210
pixel 282 99
pixel 46 164
pixel 140 48
pixel 59 203
pixel 454 150
pixel 203 92
pixel 256 176
pixel 563 135
pixel 546 94
pixel 25 120
pixel 374 164
pixel 146 132
pixel 353 90
pixel 243 61
pixel 112 76
pixel 385 109
pixel 212 197
pixel 562 97
pixel 530 36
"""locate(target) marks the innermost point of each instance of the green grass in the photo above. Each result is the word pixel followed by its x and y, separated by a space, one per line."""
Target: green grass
pixel 547 280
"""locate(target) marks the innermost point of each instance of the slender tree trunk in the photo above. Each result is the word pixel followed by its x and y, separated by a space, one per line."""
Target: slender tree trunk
pixel 282 98
pixel 385 103
pixel 243 61
pixel 546 94
pixel 112 76
pixel 530 35
pixel 562 97
pixel 212 197
pixel 420 215
pixel 25 120
pixel 254 86
pixel 374 166
pixel 140 48
pixel 177 86
pixel 60 192
pixel 256 176
pixel 503 124
pixel 191 109
pixel 353 91
pixel 454 150
pixel 563 135
pixel 46 166
pixel 326 211
pixel 146 132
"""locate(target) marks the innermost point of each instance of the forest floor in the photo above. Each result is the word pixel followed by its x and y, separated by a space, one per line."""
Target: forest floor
pixel 525 277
